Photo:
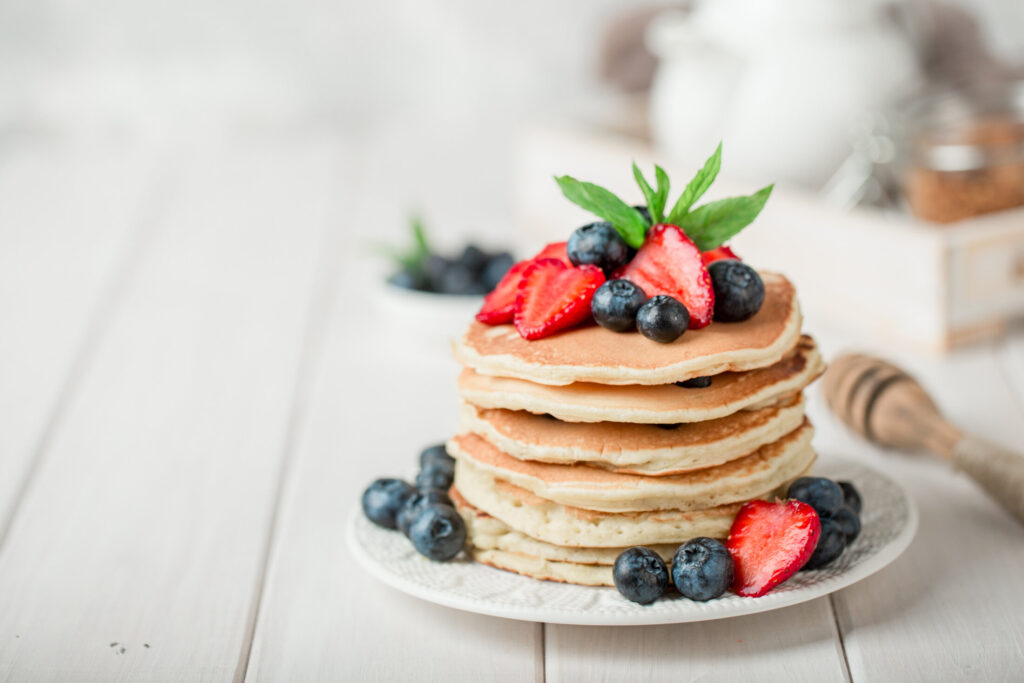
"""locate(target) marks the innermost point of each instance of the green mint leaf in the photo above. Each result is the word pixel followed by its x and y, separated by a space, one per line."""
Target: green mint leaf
pixel 662 194
pixel 649 195
pixel 715 223
pixel 629 223
pixel 419 235
pixel 696 188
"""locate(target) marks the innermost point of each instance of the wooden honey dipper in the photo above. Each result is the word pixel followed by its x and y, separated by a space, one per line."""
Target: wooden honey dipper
pixel 888 407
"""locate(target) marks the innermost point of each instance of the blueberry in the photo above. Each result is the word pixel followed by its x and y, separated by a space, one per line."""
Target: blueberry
pixel 739 290
pixel 473 258
pixel 644 212
pixel 436 453
pixel 598 244
pixel 640 575
pixel 616 303
pixel 458 279
pixel 496 269
pixel 851 496
pixel 407 279
pixel 824 495
pixel 702 569
pixel 383 498
pixel 695 383
pixel 848 521
pixel 676 425
pixel 438 532
pixel 435 268
pixel 436 476
pixel 830 544
pixel 662 319
pixel 416 502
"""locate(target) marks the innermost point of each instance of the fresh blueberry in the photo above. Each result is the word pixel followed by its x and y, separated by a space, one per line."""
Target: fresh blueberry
pixel 436 476
pixel 615 305
pixel 458 279
pixel 662 319
pixel 416 502
pixel 640 575
pixel 702 569
pixel 438 532
pixel 676 425
pixel 435 268
pixel 407 279
pixel 739 290
pixel 436 453
pixel 496 269
pixel 383 498
pixel 695 383
pixel 473 258
pixel 644 212
pixel 851 496
pixel 830 544
pixel 848 521
pixel 824 495
pixel 598 244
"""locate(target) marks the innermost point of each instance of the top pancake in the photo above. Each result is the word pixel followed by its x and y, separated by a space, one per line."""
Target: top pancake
pixel 594 354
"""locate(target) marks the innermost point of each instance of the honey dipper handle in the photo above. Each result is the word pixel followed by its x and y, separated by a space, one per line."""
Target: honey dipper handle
pixel 999 471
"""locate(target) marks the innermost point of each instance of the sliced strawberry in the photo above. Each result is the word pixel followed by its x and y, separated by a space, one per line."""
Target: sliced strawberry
pixel 670 263
pixel 769 542
pixel 499 306
pixel 553 296
pixel 717 254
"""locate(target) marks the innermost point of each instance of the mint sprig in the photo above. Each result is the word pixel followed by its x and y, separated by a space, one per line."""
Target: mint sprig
pixel 709 225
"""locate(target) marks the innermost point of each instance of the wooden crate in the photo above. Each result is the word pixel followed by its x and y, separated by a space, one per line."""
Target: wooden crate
pixel 901 280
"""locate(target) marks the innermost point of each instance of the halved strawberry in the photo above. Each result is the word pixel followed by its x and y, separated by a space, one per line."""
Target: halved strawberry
pixel 717 254
pixel 553 296
pixel 499 306
pixel 769 542
pixel 670 263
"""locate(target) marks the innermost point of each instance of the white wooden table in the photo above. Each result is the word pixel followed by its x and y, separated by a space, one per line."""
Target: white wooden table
pixel 193 395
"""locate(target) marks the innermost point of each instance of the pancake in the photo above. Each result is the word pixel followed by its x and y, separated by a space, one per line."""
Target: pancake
pixel 594 354
pixel 664 404
pixel 593 488
pixel 544 569
pixel 633 448
pixel 577 528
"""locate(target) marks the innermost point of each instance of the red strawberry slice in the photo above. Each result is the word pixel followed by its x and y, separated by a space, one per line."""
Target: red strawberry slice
pixel 499 306
pixel 717 254
pixel 553 296
pixel 769 542
pixel 670 263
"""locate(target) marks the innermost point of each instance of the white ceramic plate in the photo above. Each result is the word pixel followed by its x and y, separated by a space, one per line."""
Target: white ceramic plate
pixel 889 521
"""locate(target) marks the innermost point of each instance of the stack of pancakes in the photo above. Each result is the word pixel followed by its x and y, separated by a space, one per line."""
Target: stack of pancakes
pixel 576 446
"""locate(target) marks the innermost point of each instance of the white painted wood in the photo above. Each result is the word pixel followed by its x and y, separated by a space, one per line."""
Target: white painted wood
pixel 949 609
pixel 793 644
pixel 66 215
pixel 147 522
pixel 323 618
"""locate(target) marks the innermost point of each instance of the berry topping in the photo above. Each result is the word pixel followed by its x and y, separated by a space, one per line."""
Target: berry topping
pixel 848 521
pixel 770 542
pixel 436 453
pixel 830 545
pixel 662 319
pixel 850 496
pixel 552 297
pixel 702 569
pixel 598 244
pixel 382 500
pixel 438 532
pixel 500 305
pixel 436 476
pixel 670 263
pixel 822 494
pixel 739 290
pixel 616 303
pixel 414 504
pixel 717 254
pixel 640 575
pixel 496 267
pixel 695 383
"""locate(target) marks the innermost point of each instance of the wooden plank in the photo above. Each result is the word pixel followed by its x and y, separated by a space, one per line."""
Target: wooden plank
pixel 66 216
pixel 147 523
pixel 797 643
pixel 949 608
pixel 322 616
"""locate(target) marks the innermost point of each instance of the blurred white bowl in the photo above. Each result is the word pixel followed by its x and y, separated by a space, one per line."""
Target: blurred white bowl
pixel 423 323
